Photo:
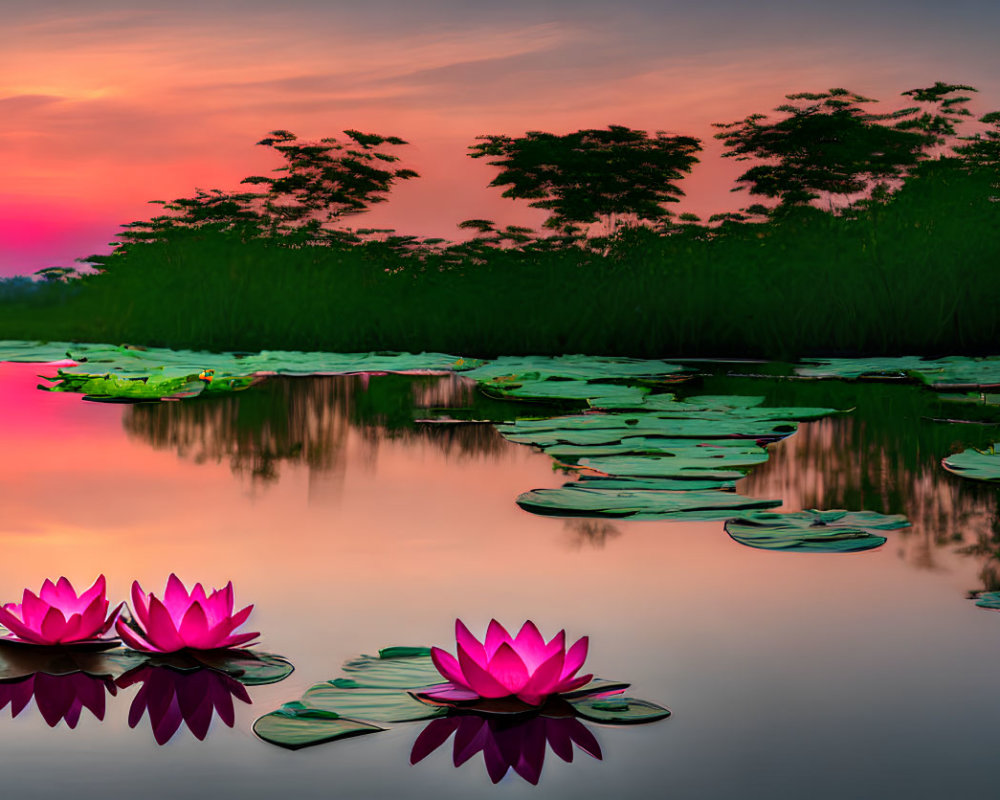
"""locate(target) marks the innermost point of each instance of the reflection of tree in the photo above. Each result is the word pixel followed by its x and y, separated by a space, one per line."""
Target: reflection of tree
pixel 58 697
pixel 848 462
pixel 191 697
pixel 507 743
pixel 307 420
pixel 593 532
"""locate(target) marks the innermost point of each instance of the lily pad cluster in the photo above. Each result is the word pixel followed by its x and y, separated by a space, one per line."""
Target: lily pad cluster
pixel 951 372
pixel 380 690
pixel 671 459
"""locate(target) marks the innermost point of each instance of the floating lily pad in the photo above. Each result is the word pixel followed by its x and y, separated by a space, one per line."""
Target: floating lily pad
pixel 619 710
pixel 572 501
pixel 155 386
pixel 595 394
pixel 977 465
pixel 813 531
pixel 654 445
pixel 380 705
pixel 696 462
pixel 249 667
pixel 656 484
pixel 33 352
pixel 989 600
pixel 604 429
pixel 392 672
pixel 295 726
pixel 851 368
pixel 514 369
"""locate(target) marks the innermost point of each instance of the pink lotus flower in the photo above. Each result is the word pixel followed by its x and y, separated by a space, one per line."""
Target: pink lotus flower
pixel 171 698
pixel 58 697
pixel 525 666
pixel 58 616
pixel 184 619
pixel 506 743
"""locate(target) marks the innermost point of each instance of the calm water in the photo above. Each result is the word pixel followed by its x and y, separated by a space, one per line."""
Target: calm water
pixel 868 675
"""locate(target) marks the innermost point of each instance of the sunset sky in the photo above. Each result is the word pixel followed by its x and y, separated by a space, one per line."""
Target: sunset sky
pixel 106 105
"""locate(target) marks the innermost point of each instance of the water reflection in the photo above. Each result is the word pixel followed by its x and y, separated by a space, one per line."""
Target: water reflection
pixel 58 697
pixel 594 533
pixel 172 698
pixel 507 743
pixel 306 421
pixel 844 462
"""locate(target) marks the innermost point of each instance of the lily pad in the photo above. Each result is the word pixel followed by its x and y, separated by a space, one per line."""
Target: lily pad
pixel 989 600
pixel 813 531
pixel 249 667
pixel 852 368
pixel 603 429
pixel 977 465
pixel 392 672
pixel 702 462
pixel 571 501
pixel 380 705
pixel 619 710
pixel 295 726
pixel 33 352
pixel 598 395
pixel 514 369
pixel 656 484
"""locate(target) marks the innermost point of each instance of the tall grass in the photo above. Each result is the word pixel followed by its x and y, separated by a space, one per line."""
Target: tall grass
pixel 919 274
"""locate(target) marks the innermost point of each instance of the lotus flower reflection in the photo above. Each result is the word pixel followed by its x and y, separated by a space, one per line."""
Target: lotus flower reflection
pixel 516 743
pixel 58 616
pixel 526 666
pixel 192 697
pixel 58 697
pixel 184 619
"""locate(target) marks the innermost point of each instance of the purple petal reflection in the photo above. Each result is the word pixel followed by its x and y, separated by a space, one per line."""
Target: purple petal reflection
pixel 172 697
pixel 58 697
pixel 506 743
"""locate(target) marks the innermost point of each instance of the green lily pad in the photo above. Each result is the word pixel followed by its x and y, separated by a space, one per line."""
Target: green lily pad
pixel 571 501
pixel 813 531
pixel 294 727
pixel 989 600
pixel 605 429
pixel 977 465
pixel 155 386
pixel 249 667
pixel 656 484
pixel 619 710
pixel 695 462
pixel 514 369
pixel 653 445
pixel 379 705
pixel 852 368
pixel 595 394
pixel 394 672
pixel 33 352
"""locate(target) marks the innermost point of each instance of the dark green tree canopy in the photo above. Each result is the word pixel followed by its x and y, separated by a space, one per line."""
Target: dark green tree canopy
pixel 326 180
pixel 319 183
pixel 592 175
pixel 826 143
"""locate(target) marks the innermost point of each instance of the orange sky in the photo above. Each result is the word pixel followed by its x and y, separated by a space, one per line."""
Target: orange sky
pixel 103 110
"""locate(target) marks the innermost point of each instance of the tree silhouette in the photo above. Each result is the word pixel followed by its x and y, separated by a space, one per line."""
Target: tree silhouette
pixel 613 176
pixel 945 112
pixel 983 149
pixel 326 180
pixel 825 144
pixel 320 183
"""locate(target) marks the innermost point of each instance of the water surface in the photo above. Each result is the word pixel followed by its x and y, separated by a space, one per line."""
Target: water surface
pixel 790 675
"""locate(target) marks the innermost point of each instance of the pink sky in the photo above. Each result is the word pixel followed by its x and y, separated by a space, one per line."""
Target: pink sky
pixel 104 110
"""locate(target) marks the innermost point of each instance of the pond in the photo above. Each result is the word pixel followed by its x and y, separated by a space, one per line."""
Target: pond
pixel 353 527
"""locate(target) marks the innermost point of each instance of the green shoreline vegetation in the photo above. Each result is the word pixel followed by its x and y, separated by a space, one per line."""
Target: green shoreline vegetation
pixel 881 236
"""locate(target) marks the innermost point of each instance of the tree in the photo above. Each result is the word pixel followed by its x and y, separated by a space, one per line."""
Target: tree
pixel 596 175
pixel 945 112
pixel 983 149
pixel 326 180
pixel 320 183
pixel 826 144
